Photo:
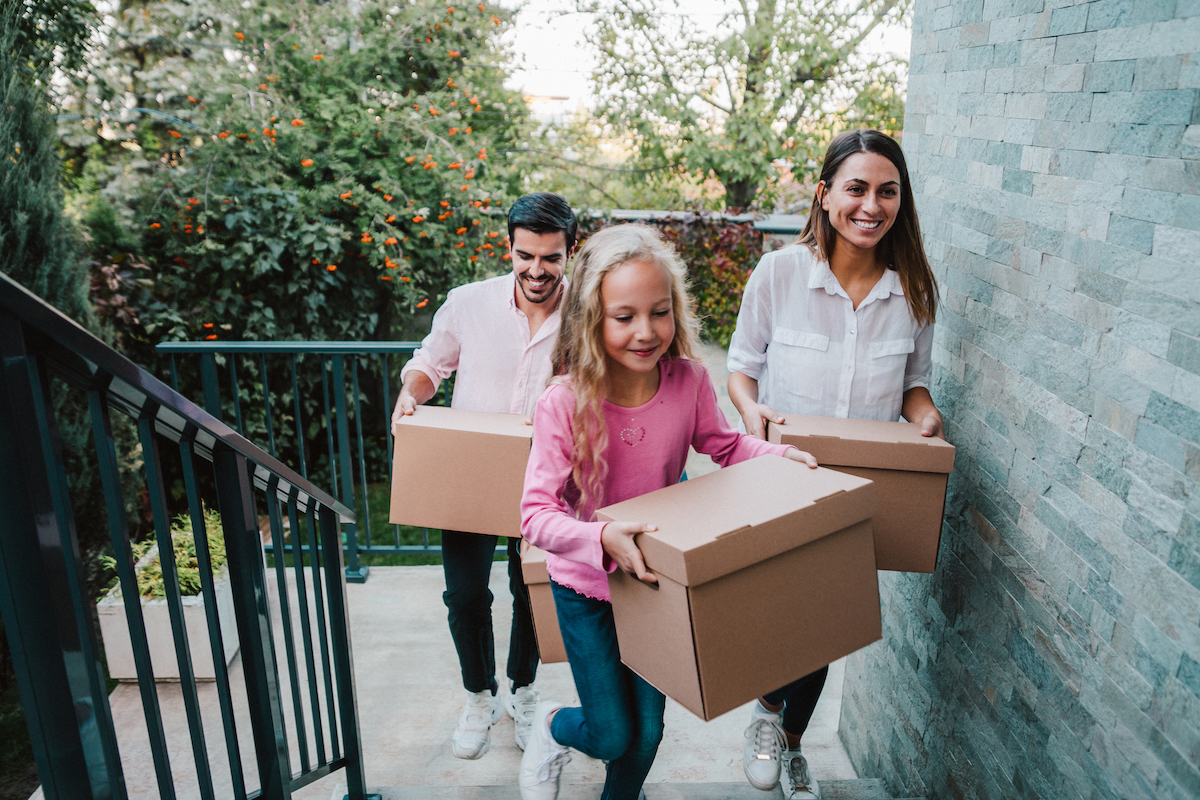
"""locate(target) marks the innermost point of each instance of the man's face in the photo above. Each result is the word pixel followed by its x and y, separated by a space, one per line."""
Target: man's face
pixel 538 260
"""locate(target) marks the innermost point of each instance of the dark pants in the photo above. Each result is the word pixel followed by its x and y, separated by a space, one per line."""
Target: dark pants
pixel 620 718
pixel 467 561
pixel 800 700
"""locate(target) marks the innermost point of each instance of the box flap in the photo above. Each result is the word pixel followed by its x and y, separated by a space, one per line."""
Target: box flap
pixel 457 419
pixel 533 564
pixel 729 519
pixel 864 443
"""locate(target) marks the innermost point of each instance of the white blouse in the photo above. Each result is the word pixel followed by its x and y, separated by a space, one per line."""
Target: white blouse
pixel 799 335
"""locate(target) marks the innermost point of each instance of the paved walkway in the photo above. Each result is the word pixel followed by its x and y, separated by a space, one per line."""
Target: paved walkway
pixel 410 695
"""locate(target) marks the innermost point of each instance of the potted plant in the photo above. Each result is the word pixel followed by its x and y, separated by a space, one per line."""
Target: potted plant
pixel 111 608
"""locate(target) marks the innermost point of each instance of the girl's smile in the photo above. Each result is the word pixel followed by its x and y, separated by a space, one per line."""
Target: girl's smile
pixel 639 324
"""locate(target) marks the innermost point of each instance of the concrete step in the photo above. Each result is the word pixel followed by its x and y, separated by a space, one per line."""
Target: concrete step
pixel 871 789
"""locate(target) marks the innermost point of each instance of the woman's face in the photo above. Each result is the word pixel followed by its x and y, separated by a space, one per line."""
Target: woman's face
pixel 862 199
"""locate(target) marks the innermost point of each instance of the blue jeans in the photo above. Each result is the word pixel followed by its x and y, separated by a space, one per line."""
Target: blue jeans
pixel 621 719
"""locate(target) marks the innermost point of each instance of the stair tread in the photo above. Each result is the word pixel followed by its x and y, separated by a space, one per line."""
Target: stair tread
pixel 862 789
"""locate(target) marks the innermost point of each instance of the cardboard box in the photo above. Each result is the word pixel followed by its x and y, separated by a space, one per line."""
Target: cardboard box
pixel 910 473
pixel 462 470
pixel 766 572
pixel 545 618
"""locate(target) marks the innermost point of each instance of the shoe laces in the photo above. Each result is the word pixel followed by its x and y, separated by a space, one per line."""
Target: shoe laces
pixel 768 737
pixel 552 765
pixel 797 770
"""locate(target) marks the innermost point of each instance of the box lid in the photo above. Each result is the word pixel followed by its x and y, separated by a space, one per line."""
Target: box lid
pixel 457 419
pixel 533 564
pixel 729 519
pixel 864 443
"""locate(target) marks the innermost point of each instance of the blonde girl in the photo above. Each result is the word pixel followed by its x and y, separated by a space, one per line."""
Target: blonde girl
pixel 615 423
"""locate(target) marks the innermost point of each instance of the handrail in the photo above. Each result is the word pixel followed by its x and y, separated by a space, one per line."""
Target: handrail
pixel 81 358
pixel 287 348
pixel 46 606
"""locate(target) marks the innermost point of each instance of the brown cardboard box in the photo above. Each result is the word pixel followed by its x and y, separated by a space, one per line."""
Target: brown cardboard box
pixel 545 618
pixel 462 470
pixel 910 473
pixel 766 572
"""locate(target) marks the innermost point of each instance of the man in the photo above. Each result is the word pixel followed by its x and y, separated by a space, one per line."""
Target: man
pixel 498 334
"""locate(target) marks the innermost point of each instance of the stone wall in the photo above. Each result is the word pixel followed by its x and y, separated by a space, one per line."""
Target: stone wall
pixel 1056 651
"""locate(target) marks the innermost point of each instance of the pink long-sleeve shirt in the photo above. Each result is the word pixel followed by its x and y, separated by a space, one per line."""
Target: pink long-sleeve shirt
pixel 647 450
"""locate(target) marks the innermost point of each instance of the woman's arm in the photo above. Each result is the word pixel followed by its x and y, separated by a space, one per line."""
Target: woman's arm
pixel 918 408
pixel 743 391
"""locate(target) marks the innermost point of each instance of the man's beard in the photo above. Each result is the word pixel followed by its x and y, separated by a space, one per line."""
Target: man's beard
pixel 549 291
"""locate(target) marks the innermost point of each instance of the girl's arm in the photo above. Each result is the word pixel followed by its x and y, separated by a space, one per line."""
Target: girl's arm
pixel 743 391
pixel 918 408
pixel 713 435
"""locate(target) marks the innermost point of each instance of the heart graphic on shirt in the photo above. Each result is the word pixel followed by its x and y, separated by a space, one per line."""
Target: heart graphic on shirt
pixel 633 436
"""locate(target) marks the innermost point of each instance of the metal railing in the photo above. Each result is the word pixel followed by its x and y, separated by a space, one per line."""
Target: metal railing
pixel 47 610
pixel 339 436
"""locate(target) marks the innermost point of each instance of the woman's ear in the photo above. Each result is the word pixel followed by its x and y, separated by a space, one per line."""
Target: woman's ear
pixel 822 195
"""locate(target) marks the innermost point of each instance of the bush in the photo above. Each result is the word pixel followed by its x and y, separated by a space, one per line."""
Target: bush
pixel 720 254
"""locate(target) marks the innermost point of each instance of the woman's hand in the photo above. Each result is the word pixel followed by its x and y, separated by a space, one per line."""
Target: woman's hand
pixel 617 540
pixel 918 408
pixel 755 417
pixel 932 425
pixel 796 454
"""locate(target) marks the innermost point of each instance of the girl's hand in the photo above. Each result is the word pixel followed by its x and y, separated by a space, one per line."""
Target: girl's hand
pixel 617 540
pixel 796 454
pixel 756 416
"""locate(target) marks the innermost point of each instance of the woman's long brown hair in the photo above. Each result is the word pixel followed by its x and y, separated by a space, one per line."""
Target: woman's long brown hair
pixel 901 248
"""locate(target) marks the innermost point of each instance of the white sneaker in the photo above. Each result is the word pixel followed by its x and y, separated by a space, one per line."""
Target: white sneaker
pixel 520 705
pixel 471 737
pixel 541 766
pixel 764 743
pixel 798 782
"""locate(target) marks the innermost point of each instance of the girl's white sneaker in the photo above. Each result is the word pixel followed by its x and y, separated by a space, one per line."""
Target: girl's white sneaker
pixel 541 766
pixel 521 705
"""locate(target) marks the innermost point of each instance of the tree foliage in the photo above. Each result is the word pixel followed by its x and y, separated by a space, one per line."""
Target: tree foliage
pixel 256 170
pixel 769 87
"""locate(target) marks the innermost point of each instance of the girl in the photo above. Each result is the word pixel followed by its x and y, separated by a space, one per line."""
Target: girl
pixel 840 325
pixel 614 424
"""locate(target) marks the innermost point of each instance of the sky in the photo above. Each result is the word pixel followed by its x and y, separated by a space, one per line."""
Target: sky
pixel 555 60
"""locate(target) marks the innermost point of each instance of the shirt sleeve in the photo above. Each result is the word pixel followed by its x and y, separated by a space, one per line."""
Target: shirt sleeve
pixel 547 520
pixel 438 354
pixel 752 335
pixel 713 435
pixel 920 361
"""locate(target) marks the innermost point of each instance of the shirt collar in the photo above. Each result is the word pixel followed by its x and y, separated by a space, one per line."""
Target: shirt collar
pixel 822 277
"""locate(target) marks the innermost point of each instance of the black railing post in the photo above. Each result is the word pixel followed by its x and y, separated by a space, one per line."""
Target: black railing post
pixel 243 548
pixel 355 572
pixel 208 382
pixel 343 657
pixel 43 633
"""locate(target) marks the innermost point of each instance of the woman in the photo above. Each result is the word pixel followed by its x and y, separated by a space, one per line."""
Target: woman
pixel 839 325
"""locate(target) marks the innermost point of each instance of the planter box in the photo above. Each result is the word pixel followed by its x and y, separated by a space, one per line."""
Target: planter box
pixel 114 629
pixel 766 572
pixel 910 473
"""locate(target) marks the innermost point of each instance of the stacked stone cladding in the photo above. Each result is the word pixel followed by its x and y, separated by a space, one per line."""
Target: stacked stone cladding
pixel 1054 148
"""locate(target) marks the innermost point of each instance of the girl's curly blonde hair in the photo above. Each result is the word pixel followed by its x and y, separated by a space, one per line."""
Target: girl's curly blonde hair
pixel 579 357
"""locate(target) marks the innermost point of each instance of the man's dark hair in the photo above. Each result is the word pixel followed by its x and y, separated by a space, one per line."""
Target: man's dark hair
pixel 543 212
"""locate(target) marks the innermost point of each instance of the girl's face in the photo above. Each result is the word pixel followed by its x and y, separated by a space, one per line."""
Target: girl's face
pixel 862 199
pixel 639 324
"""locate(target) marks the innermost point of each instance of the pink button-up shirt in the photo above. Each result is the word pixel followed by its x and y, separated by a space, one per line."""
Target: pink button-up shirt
pixel 480 333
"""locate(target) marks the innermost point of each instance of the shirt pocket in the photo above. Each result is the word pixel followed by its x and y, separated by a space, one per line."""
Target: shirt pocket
pixel 803 356
pixel 885 370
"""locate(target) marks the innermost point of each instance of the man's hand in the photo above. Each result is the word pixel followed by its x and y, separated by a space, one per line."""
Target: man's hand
pixel 617 541
pixel 796 454
pixel 406 404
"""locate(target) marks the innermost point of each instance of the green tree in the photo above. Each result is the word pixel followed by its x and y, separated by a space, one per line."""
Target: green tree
pixel 292 171
pixel 768 88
